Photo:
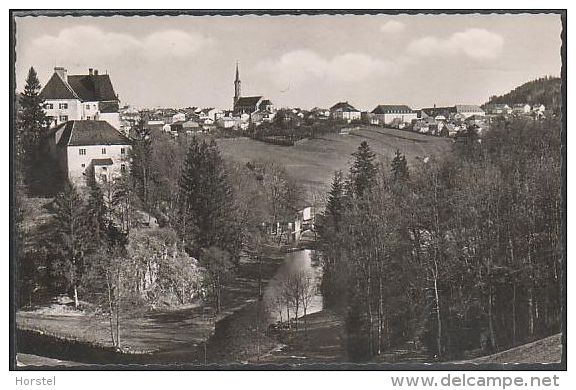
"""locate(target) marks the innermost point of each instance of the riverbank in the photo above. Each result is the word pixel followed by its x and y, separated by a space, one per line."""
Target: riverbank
pixel 318 339
pixel 167 335
pixel 324 339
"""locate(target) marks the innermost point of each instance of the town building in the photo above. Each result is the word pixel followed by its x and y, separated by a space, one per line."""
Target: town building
pixel 521 108
pixel 538 108
pixel 456 112
pixel 497 109
pixel 89 149
pixel 344 111
pixel 463 111
pixel 80 97
pixel 387 113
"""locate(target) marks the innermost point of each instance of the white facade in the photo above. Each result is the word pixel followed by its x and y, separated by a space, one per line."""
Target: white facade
pixel 521 108
pixel 390 117
pixel 179 117
pixel 63 110
pixel 111 117
pixel 347 115
pixel 79 161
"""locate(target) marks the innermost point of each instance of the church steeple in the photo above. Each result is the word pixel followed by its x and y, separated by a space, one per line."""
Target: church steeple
pixel 237 85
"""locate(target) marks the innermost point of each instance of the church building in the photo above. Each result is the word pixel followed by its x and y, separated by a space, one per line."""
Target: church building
pixel 250 105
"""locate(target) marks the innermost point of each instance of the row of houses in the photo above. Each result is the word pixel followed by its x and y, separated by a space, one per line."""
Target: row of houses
pixel 515 109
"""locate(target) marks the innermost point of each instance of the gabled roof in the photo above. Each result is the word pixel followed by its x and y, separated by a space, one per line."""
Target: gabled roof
pixel 86 133
pixel 343 106
pixel 87 88
pixel 248 101
pixel 93 88
pixel 56 88
pixel 109 107
pixel 392 109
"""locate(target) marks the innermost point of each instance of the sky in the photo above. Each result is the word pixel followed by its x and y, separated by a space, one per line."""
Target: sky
pixel 297 61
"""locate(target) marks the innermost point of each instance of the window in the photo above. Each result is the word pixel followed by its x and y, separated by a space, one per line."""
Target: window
pixel 83 165
pixel 88 118
pixel 87 106
pixel 123 167
pixel 82 152
pixel 103 178
pixel 49 106
pixel 63 118
pixel 122 150
pixel 63 106
pixel 103 150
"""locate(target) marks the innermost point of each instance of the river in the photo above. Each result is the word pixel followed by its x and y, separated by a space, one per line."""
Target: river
pixel 298 275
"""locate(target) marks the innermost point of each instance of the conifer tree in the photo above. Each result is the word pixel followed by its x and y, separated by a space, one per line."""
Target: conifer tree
pixel 207 212
pixel 31 122
pixel 363 170
pixel 141 164
pixel 335 204
pixel 72 238
pixel 400 170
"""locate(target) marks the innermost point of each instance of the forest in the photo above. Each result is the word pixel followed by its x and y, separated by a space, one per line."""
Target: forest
pixel 456 256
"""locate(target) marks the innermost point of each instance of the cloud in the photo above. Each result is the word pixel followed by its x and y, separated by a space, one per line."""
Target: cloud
pixel 392 27
pixel 298 66
pixel 476 43
pixel 93 44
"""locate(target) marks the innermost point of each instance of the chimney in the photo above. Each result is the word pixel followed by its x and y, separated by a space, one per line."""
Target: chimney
pixel 95 72
pixel 90 71
pixel 62 72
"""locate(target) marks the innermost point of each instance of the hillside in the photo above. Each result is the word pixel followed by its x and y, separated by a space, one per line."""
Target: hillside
pixel 547 350
pixel 545 90
pixel 313 161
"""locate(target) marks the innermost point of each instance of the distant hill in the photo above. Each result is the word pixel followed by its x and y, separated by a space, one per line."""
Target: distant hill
pixel 545 90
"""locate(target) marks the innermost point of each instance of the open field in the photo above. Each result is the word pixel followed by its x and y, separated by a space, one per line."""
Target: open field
pixel 313 161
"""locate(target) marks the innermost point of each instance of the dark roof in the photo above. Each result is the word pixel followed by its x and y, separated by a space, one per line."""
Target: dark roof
pixel 56 88
pixel 93 87
pixel 87 88
pixel 109 107
pixel 343 106
pixel 435 111
pixel 81 133
pixel 248 101
pixel 392 109
pixel 101 161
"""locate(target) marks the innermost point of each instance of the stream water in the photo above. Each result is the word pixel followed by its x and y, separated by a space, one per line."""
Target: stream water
pixel 299 274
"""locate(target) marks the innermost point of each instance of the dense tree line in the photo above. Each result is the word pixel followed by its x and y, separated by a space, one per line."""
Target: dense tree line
pixel 456 256
pixel 545 90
